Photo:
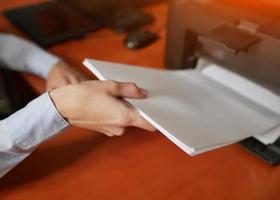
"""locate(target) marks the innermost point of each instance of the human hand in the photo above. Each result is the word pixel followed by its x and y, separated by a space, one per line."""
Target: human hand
pixel 98 106
pixel 62 74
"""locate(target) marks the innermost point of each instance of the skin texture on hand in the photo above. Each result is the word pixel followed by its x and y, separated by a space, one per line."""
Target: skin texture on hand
pixel 98 106
pixel 62 74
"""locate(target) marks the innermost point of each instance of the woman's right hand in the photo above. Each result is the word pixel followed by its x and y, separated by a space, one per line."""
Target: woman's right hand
pixel 98 106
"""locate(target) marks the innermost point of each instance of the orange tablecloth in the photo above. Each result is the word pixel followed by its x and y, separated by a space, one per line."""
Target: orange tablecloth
pixel 81 164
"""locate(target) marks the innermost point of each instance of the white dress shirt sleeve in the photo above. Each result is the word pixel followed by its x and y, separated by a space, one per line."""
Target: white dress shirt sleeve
pixel 21 55
pixel 39 120
pixel 26 129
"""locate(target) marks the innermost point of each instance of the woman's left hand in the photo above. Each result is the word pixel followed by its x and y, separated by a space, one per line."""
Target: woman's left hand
pixel 63 74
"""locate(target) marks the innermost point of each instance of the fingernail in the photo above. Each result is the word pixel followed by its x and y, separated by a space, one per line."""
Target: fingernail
pixel 145 92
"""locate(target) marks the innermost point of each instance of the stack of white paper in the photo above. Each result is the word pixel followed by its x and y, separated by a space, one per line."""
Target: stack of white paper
pixel 193 109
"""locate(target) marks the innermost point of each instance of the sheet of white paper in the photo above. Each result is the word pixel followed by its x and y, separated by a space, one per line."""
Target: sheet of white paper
pixel 250 90
pixel 193 111
pixel 269 137
pixel 245 87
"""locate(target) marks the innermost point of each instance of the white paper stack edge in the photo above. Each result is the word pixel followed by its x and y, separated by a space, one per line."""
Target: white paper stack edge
pixel 250 90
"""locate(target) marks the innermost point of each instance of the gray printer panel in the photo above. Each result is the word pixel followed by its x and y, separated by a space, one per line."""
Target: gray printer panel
pixel 241 36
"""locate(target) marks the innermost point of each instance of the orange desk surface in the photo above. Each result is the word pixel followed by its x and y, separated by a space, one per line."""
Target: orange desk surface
pixel 81 164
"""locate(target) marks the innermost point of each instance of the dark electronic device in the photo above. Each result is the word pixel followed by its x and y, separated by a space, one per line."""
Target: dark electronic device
pixel 140 3
pixel 270 153
pixel 120 15
pixel 50 22
pixel 139 39
pixel 127 18
pixel 243 36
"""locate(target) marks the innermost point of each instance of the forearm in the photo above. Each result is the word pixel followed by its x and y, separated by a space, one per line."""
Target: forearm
pixel 26 129
pixel 21 55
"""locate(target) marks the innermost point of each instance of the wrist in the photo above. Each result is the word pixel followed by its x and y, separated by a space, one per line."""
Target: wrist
pixel 57 101
pixel 54 66
pixel 41 62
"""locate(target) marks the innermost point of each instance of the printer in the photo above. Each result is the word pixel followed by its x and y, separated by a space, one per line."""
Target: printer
pixel 242 36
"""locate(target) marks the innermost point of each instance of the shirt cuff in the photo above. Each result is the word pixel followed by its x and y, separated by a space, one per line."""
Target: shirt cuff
pixel 35 123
